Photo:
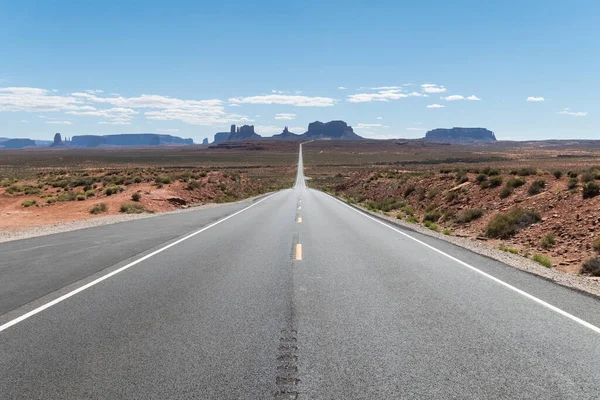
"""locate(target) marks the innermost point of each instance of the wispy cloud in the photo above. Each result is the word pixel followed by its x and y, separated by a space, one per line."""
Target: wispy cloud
pixel 567 111
pixel 24 121
pixel 342 88
pixel 285 116
pixel 362 126
pixel 473 98
pixel 535 99
pixel 456 97
pixel 380 118
pixel 436 106
pixel 433 88
pixel 27 99
pixel 59 122
pixel 298 101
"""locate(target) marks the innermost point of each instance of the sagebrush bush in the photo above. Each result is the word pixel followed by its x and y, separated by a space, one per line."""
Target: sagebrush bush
pixel 432 216
pixel 481 178
pixel 548 241
pixel 557 174
pixel 495 181
pixel 506 191
pixel 136 196
pixel 99 209
pixel 29 203
pixel 588 177
pixel 536 187
pixel 590 189
pixel 469 215
pixel 526 171
pixel 132 208
pixel 573 183
pixel 540 259
pixel 503 226
pixel 113 189
pixel 596 245
pixel 591 266
pixel 409 189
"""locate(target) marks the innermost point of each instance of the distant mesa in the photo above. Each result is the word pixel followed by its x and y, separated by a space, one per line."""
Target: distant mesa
pixel 17 143
pixel 286 135
pixel 128 140
pixel 58 142
pixel 245 132
pixel 205 141
pixel 460 135
pixel 333 130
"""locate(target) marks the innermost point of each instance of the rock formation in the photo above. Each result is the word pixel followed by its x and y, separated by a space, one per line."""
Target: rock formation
pixel 18 143
pixel 58 142
pixel 460 135
pixel 286 135
pixel 205 141
pixel 245 132
pixel 128 139
pixel 337 130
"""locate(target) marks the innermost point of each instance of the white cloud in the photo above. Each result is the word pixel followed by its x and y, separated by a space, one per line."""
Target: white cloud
pixel 433 88
pixel 285 116
pixel 167 130
pixel 417 94
pixel 60 122
pixel 435 106
pixel 473 98
pixel 92 91
pixel 535 99
pixel 234 105
pixel 380 118
pixel 118 121
pixel 26 99
pixel 454 97
pixel 362 126
pixel 298 101
pixel 567 111
pixel 387 88
pixel 24 121
pixel 115 116
pixel 415 129
pixel 383 95
pixel 342 88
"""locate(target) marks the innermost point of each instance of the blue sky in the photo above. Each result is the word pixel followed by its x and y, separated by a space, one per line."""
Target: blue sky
pixel 524 69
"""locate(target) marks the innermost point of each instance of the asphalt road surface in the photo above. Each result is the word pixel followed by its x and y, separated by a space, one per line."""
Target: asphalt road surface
pixel 295 295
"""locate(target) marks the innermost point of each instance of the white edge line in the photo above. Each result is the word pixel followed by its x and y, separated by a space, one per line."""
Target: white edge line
pixel 501 282
pixel 123 268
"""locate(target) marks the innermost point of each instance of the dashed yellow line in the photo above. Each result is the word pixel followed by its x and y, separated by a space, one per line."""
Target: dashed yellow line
pixel 299 220
pixel 298 252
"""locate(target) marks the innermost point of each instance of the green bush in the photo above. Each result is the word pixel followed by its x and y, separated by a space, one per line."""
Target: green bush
pixel 495 181
pixel 90 193
pixel 29 203
pixel 447 232
pixel 506 191
pixel 590 189
pixel 557 174
pixel 432 216
pixel 451 196
pixel 548 241
pixel 409 190
pixel 136 196
pixel 412 220
pixel 536 187
pixel 596 245
pixel 434 191
pixel 162 179
pixel 503 226
pixel 80 197
pixel 588 176
pixel 516 182
pixel 526 171
pixel 67 196
pixel 99 209
pixel 591 266
pixel 573 183
pixel 113 189
pixel 508 249
pixel 431 225
pixel 137 179
pixel 469 215
pixel 540 259
pixel 481 178
pixel 573 174
pixel 408 209
pixel 132 208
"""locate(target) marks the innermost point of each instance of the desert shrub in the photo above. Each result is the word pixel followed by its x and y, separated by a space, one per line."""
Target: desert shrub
pixel 162 179
pixel 481 178
pixel 447 232
pixel 573 174
pixel 548 241
pixel 516 182
pixel 508 249
pixel 434 191
pixel 462 178
pixel 432 216
pixel 385 205
pixel 557 174
pixel 412 220
pixel 596 245
pixel 67 196
pixel 29 203
pixel 493 172
pixel 136 196
pixel 540 259
pixel 591 266
pixel 409 189
pixel 408 209
pixel 573 183
pixel 52 200
pixel 526 171
pixel 81 197
pixel 90 193
pixel 495 181
pixel 113 189
pixel 588 176
pixel 503 226
pixel 451 196
pixel 536 187
pixel 590 189
pixel 506 191
pixel 137 179
pixel 421 195
pixel 193 185
pixel 99 209
pixel 469 215
pixel 203 174
pixel 432 226
pixel 128 208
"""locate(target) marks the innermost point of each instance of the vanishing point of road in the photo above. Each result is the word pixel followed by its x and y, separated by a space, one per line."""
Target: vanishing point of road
pixel 294 295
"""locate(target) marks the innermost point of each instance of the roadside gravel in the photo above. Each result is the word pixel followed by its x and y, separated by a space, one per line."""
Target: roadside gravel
pixel 49 229
pixel 581 283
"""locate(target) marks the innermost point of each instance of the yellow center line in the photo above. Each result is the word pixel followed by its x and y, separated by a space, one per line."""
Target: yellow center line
pixel 299 252
pixel 299 220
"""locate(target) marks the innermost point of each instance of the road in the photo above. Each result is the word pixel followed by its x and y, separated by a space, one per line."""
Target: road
pixel 293 295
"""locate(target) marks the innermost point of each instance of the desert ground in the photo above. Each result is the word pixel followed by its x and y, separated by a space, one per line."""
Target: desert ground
pixel 536 199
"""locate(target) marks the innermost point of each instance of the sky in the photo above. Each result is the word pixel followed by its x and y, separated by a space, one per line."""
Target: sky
pixel 524 69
